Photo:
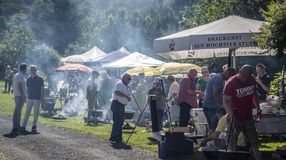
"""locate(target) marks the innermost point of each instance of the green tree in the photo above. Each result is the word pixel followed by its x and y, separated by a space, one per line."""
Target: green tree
pixel 205 11
pixel 17 39
pixel 273 33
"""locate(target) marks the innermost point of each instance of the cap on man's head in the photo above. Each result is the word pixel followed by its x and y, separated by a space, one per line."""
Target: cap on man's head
pixel 204 69
pixel 23 66
pixel 33 67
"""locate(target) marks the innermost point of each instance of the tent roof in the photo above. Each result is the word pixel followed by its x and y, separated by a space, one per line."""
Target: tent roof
pixel 74 59
pixel 124 50
pixel 135 59
pixel 93 53
pixel 230 24
pixel 112 56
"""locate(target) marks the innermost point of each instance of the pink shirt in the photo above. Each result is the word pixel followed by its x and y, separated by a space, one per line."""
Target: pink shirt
pixel 187 83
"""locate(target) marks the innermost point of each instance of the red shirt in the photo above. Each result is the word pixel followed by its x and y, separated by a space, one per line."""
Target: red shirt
pixel 187 83
pixel 241 96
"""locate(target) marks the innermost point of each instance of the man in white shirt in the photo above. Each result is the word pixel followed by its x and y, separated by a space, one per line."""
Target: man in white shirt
pixel 172 98
pixel 121 97
pixel 20 95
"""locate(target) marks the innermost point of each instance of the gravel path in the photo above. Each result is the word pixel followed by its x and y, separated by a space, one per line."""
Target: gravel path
pixel 56 143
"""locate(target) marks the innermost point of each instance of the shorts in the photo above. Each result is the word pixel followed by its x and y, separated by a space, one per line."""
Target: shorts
pixel 248 129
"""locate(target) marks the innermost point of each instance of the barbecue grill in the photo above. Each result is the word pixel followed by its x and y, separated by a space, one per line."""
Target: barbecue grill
pixel 48 106
pixel 128 115
pixel 95 116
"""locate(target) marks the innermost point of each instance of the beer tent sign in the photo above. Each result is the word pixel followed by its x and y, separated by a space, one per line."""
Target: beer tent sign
pixel 214 39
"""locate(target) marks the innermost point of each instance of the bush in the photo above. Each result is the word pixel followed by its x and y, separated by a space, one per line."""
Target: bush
pixel 275 84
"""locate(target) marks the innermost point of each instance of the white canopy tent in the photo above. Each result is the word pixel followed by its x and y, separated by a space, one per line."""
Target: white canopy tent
pixel 74 59
pixel 112 56
pixel 93 53
pixel 135 59
pixel 215 39
pixel 124 50
pixel 89 55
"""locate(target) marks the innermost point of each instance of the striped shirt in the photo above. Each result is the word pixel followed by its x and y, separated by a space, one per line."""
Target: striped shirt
pixel 186 84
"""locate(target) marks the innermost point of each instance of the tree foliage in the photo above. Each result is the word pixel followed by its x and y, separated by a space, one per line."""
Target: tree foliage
pixel 205 11
pixel 273 33
pixel 67 27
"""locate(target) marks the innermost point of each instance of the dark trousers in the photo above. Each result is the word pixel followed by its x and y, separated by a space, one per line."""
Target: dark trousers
pixel 211 116
pixel 118 119
pixel 8 84
pixel 19 103
pixel 185 109
pixel 160 113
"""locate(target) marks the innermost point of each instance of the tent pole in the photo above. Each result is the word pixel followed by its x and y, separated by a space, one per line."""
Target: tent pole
pixel 229 58
pixel 234 58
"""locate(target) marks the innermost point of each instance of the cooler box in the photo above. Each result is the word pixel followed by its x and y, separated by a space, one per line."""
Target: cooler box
pixel 175 145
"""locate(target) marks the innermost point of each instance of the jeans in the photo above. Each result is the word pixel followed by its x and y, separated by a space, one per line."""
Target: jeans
pixel 118 119
pixel 211 116
pixel 19 103
pixel 185 109
pixel 32 102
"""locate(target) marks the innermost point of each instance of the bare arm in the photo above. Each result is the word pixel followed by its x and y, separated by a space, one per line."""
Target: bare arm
pixel 264 87
pixel 227 105
pixel 118 93
pixel 214 135
pixel 196 91
pixel 256 104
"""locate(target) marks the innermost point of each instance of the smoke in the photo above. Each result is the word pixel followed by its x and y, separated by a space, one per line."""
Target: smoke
pixel 121 23
pixel 43 57
pixel 75 106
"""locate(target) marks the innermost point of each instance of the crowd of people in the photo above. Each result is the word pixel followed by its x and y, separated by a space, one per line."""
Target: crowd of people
pixel 227 100
pixel 222 96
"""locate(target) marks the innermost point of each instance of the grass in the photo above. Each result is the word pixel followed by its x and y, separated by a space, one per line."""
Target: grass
pixel 139 139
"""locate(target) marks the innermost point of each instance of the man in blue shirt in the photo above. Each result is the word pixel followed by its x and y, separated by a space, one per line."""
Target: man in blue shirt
pixel 263 81
pixel 35 86
pixel 213 96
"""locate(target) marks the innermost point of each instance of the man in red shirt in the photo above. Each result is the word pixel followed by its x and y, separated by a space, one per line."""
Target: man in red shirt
pixel 240 94
pixel 187 96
